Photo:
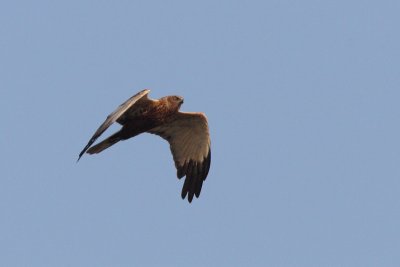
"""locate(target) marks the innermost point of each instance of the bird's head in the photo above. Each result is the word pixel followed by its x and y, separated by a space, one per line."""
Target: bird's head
pixel 174 102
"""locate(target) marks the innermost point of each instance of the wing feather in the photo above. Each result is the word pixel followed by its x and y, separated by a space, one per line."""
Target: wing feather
pixel 113 117
pixel 190 145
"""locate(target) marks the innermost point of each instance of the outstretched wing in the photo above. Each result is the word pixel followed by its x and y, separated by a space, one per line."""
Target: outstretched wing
pixel 189 140
pixel 114 116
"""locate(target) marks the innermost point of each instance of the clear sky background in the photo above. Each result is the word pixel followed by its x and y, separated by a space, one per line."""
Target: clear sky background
pixel 303 105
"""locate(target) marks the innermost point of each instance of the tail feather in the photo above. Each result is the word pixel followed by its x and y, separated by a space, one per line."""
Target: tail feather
pixel 113 139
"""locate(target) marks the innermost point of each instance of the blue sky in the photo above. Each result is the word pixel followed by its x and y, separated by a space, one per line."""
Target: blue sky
pixel 303 105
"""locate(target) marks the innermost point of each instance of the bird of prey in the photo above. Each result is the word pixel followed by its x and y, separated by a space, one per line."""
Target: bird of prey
pixel 186 132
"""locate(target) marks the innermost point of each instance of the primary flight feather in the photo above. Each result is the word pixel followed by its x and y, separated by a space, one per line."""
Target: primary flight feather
pixel 186 132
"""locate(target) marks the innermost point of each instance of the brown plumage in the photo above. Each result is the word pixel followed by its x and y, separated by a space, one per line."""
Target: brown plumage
pixel 186 132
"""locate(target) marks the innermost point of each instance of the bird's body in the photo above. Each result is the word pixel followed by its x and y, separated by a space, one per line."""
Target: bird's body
pixel 187 134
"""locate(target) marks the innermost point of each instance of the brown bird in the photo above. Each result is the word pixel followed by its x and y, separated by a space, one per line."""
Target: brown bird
pixel 186 132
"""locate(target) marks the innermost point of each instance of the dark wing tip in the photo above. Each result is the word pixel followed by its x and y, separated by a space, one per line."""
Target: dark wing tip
pixel 83 152
pixel 181 170
pixel 91 141
pixel 207 164
pixel 190 197
pixel 196 173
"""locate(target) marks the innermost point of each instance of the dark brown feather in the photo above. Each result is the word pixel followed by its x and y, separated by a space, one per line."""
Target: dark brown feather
pixel 194 179
pixel 207 163
pixel 181 170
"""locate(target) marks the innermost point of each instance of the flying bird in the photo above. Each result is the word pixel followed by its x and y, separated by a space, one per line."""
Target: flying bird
pixel 186 132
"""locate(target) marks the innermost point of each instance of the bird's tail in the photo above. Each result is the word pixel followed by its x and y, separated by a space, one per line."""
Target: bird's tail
pixel 113 139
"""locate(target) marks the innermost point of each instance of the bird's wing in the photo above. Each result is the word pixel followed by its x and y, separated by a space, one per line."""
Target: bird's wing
pixel 114 116
pixel 190 144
